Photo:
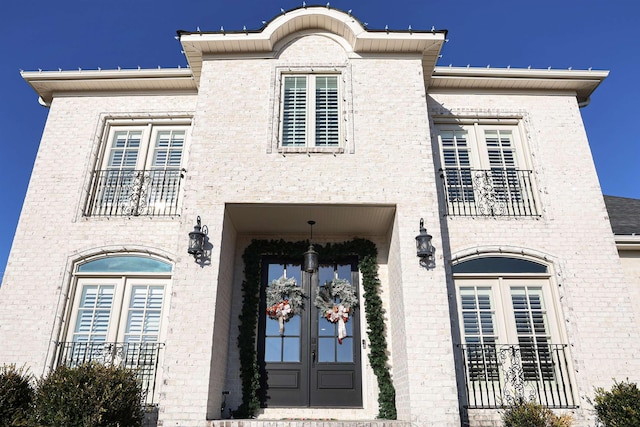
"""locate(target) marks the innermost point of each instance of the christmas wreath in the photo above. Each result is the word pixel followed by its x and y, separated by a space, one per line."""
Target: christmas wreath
pixel 285 299
pixel 337 312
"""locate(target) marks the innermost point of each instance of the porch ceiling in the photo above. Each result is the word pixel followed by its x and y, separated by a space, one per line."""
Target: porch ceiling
pixel 291 219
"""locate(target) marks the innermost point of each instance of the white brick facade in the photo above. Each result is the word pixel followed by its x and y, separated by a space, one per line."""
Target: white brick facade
pixel 390 158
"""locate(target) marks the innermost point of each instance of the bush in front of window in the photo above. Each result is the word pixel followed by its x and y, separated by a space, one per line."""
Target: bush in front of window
pixel 620 406
pixel 532 414
pixel 92 394
pixel 16 396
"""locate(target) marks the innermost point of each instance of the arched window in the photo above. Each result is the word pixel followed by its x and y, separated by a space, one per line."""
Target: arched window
pixel 119 298
pixel 510 332
pixel 116 314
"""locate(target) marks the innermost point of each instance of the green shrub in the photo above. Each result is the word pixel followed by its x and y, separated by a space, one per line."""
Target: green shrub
pixel 90 395
pixel 531 414
pixel 16 396
pixel 619 407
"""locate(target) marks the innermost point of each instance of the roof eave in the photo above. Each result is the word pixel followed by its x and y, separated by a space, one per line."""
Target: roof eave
pixel 48 83
pixel 627 242
pixel 582 82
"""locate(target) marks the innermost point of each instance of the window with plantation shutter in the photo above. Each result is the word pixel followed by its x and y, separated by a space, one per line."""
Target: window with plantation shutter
pixel 140 171
pixel 511 339
pixel 144 312
pixel 117 312
pixel 119 298
pixel 484 170
pixel 122 309
pixel 94 312
pixel 310 111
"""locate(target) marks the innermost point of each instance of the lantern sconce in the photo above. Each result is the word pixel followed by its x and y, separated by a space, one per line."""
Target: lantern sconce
pixel 311 256
pixel 425 249
pixel 197 240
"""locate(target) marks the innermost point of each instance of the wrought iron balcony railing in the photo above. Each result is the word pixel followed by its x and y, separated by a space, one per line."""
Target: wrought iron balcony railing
pixel 489 192
pixel 502 374
pixel 134 193
pixel 140 357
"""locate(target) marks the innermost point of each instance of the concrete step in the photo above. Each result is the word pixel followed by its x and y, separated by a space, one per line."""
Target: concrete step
pixel 307 423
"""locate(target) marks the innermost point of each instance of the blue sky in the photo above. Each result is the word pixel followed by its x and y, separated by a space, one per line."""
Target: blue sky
pixel 87 34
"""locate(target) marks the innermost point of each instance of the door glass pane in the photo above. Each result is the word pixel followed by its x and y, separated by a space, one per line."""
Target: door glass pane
pixel 291 349
pixel 327 349
pixel 344 271
pixel 276 271
pixel 285 346
pixel 295 271
pixel 272 326
pixel 345 350
pixel 273 349
pixel 325 274
pixel 325 328
pixel 292 327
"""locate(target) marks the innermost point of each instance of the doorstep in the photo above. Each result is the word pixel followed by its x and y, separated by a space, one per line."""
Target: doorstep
pixel 307 423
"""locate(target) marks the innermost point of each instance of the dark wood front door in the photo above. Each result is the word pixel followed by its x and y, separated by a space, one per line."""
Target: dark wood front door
pixel 305 365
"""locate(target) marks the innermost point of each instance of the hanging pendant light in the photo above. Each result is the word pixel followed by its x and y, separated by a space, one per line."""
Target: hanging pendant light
pixel 311 256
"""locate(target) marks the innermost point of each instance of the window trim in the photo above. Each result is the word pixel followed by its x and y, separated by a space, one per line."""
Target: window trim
pixel 310 111
pixel 123 285
pixel 484 188
pixel 345 109
pixel 506 333
pixel 150 126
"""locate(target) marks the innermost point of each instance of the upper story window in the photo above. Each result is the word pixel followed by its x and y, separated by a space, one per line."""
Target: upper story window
pixel 310 110
pixel 484 170
pixel 139 172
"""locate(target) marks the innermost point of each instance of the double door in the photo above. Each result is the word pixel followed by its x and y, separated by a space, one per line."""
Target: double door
pixel 304 364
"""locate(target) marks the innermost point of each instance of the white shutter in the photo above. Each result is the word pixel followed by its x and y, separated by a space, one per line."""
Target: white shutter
pixel 94 313
pixel 530 318
pixel 478 315
pixel 457 165
pixel 294 110
pixel 168 149
pixel 125 147
pixel 144 312
pixel 502 161
pixel 327 117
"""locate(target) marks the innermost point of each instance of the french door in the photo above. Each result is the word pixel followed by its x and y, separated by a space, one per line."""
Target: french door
pixel 304 364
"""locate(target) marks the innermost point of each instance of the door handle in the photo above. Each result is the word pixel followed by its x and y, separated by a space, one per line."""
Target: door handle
pixel 313 356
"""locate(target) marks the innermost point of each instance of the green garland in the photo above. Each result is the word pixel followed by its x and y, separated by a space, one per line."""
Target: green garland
pixel 367 264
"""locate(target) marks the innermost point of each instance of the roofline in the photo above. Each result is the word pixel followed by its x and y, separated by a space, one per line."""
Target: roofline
pixel 583 82
pixel 627 241
pixel 48 83
pixel 267 41
pixel 100 74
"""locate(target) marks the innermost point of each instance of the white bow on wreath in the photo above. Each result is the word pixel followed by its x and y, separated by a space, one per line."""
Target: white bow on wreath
pixel 335 300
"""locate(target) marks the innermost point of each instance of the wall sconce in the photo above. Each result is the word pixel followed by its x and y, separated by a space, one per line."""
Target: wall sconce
pixel 311 256
pixel 424 247
pixel 197 239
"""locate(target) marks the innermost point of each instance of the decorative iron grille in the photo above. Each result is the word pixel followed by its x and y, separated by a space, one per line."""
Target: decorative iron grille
pixel 503 374
pixel 134 193
pixel 140 357
pixel 489 192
